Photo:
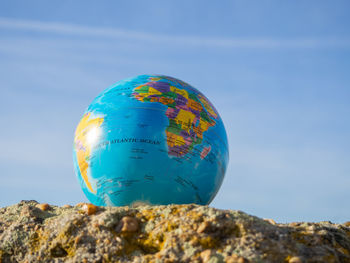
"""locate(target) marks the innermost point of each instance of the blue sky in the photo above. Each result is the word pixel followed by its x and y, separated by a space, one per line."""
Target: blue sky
pixel 277 71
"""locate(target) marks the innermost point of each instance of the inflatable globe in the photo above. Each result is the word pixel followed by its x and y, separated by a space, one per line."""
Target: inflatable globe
pixel 150 140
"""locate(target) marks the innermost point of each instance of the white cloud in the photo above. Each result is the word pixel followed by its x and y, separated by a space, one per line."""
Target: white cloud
pixel 216 42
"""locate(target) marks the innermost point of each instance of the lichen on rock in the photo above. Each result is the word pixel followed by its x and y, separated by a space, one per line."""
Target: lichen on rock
pixel 32 232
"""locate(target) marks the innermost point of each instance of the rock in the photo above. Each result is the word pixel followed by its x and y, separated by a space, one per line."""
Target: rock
pixel 205 255
pixel 235 259
pixel 204 227
pixel 271 221
pixel 89 209
pixel 43 207
pixel 30 232
pixel 127 224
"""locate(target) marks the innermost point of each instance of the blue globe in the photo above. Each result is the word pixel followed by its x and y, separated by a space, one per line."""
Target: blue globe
pixel 150 139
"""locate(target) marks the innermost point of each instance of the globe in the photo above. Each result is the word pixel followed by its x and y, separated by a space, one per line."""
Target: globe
pixel 150 139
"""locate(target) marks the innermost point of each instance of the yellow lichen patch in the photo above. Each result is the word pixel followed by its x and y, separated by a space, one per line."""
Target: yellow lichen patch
pixel 302 237
pixel 60 245
pixel 151 243
pixel 37 239
pixel 196 216
pixel 175 210
pixel 148 214
pixel 170 226
pixel 146 243
pixel 66 240
pixel 208 242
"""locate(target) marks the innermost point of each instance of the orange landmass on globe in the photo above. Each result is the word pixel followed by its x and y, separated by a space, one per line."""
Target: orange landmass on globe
pixel 83 145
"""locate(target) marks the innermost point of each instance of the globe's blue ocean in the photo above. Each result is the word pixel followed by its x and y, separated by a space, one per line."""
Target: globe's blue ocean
pixel 150 139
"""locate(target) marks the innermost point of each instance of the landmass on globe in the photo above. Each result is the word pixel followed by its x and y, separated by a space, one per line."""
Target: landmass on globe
pixel 188 119
pixel 83 145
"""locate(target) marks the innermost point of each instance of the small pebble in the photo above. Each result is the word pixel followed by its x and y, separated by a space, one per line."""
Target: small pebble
pixel 96 224
pixel 295 260
pixel 43 207
pixel 294 224
pixel 90 209
pixel 66 206
pixel 205 255
pixel 347 224
pixel 106 257
pixel 204 227
pixel 127 224
pixel 234 258
pixel 271 221
pixel 78 239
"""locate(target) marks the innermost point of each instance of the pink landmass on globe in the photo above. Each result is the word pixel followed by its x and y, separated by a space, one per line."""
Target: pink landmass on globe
pixel 205 152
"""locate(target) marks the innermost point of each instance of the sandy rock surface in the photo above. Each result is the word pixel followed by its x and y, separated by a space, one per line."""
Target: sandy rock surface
pixel 32 232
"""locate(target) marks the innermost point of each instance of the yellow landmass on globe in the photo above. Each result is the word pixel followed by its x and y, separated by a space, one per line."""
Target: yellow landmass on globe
pixel 181 92
pixel 174 139
pixel 83 145
pixel 185 118
pixel 204 126
pixel 153 91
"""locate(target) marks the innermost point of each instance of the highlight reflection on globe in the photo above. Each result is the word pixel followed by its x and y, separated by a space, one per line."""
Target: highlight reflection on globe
pixel 150 139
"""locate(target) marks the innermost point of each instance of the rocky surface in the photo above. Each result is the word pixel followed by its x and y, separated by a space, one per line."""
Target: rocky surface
pixel 32 232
